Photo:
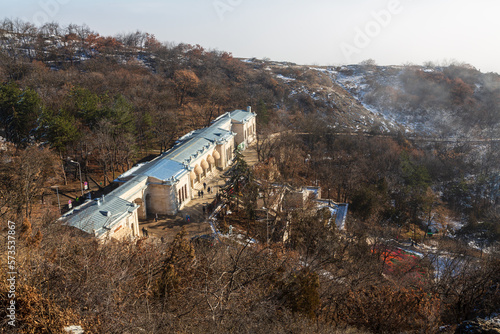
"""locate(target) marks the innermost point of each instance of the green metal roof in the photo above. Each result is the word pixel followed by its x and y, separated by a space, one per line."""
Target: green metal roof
pixel 99 218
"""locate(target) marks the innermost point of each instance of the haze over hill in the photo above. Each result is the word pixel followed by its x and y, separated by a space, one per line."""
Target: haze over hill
pixel 418 251
pixel 451 101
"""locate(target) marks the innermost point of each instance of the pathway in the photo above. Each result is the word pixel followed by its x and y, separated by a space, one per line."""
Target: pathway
pixel 168 226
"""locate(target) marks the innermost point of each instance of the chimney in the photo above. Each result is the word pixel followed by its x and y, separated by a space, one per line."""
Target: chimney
pixel 249 109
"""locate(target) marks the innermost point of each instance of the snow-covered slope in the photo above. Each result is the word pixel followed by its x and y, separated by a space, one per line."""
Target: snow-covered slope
pixel 449 101
pixel 319 90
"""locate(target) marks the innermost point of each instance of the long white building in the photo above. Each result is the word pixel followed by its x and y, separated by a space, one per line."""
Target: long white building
pixel 165 185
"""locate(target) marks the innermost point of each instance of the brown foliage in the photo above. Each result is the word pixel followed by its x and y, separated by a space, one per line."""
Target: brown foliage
pixel 102 44
pixel 25 175
pixel 469 288
pixel 152 43
pixel 25 229
pixel 185 83
pixel 386 309
pixel 34 312
pixel 230 287
pixel 176 270
pixel 300 293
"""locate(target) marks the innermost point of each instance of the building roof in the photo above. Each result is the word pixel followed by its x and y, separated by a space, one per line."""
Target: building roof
pixel 189 150
pixel 197 142
pixel 98 219
pixel 168 171
pixel 161 168
pixel 338 210
pixel 172 165
pixel 241 116
pixel 217 135
pixel 133 182
pixel 132 171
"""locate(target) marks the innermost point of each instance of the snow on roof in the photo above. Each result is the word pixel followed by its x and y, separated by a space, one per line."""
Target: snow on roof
pixel 131 171
pixel 241 116
pixel 99 216
pixel 337 211
pixel 168 170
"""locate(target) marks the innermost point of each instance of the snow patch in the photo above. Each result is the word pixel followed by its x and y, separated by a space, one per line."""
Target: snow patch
pixel 286 79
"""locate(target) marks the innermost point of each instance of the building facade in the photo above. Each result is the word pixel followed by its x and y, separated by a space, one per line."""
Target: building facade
pixel 167 183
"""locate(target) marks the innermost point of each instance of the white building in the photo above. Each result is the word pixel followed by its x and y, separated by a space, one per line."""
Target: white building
pixel 165 185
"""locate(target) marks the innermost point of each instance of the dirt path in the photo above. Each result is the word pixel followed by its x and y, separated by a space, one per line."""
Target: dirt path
pixel 168 226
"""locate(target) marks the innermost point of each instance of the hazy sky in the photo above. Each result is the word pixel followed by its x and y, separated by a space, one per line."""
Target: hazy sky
pixel 324 32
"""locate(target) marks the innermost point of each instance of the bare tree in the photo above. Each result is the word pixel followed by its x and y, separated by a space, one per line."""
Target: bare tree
pixel 25 177
pixel 166 127
pixel 185 83
pixel 51 29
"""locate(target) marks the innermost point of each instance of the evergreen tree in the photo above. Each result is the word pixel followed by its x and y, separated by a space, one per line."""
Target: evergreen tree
pixel 60 129
pixel 262 113
pixel 19 113
pixel 241 182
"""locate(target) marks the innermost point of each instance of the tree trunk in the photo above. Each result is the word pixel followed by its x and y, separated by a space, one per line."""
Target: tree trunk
pixel 63 170
pixel 105 169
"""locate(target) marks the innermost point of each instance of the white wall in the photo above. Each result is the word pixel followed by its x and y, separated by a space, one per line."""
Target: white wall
pixel 126 228
pixel 171 206
pixel 239 129
pixel 245 132
pixel 251 129
pixel 133 192
pixel 184 183
pixel 158 198
pixel 226 151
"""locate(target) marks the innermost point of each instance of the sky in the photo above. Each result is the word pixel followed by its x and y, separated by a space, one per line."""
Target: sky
pixel 319 32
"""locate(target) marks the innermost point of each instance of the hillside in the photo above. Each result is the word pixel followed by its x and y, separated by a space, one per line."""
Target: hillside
pixel 452 101
pixel 419 250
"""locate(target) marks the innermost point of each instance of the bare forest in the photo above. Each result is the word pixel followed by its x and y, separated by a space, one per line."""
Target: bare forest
pixel 420 252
